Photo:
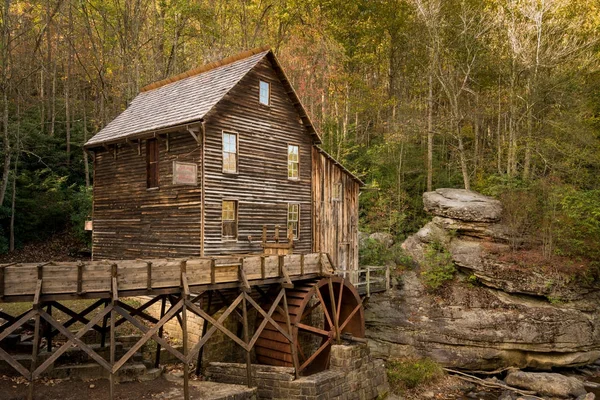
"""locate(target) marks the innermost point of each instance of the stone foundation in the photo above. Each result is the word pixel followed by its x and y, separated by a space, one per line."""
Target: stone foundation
pixel 353 375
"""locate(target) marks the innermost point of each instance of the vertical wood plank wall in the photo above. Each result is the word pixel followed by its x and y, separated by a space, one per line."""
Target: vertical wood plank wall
pixel 132 221
pixel 335 222
pixel 261 186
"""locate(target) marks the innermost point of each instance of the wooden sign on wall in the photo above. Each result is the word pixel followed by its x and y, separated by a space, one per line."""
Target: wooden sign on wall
pixel 185 173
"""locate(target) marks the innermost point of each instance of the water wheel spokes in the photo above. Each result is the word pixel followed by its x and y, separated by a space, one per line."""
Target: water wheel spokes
pixel 320 312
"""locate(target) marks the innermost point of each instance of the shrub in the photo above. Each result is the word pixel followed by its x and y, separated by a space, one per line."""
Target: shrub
pixel 438 267
pixel 410 373
pixel 373 252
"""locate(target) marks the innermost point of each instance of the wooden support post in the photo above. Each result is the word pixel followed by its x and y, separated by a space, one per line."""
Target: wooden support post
pixel 2 268
pixel 114 299
pixel 276 233
pixel 301 264
pixel 163 305
pixel 280 260
pixel 243 277
pixel 321 264
pixel 213 265
pixel 36 332
pixel 247 340
pixel 264 234
pixel 368 282
pixel 262 267
pixel 149 275
pixel 80 266
pixel 49 330
pixel 288 323
pixel 104 327
pixel 185 292
pixel 204 328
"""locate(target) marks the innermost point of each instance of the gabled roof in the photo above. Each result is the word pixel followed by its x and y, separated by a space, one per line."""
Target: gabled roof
pixel 189 97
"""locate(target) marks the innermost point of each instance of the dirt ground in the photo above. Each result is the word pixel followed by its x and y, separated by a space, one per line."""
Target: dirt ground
pixel 17 389
pixel 167 387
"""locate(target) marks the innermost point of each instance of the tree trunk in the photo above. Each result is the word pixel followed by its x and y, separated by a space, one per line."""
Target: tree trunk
pixel 463 158
pixel 430 134
pixel 11 244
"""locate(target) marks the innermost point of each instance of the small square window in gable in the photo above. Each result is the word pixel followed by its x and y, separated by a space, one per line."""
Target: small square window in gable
pixel 264 93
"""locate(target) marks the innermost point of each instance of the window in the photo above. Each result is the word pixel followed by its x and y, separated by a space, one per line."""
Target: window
pixel 151 163
pixel 293 218
pixel 293 161
pixel 230 152
pixel 229 216
pixel 337 192
pixel 265 93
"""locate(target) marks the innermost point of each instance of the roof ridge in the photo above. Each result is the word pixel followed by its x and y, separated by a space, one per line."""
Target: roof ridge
pixel 205 68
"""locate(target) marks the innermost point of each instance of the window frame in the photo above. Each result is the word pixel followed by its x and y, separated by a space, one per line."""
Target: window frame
pixel 296 236
pixel 289 162
pixel 260 82
pixel 235 220
pixel 152 166
pixel 237 152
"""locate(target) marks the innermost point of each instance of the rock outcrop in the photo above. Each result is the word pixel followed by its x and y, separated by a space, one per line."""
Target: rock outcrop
pixel 495 314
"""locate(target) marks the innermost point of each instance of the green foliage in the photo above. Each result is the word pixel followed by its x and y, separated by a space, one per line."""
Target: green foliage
pixel 438 267
pixel 81 202
pixel 410 373
pixel 373 252
pixel 578 223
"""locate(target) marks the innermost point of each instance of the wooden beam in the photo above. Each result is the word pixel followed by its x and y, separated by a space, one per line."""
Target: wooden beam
pixel 163 305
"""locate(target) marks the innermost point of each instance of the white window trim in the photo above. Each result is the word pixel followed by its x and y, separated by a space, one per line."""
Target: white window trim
pixel 297 236
pixel 268 104
pixel 292 178
pixel 237 152
pixel 237 221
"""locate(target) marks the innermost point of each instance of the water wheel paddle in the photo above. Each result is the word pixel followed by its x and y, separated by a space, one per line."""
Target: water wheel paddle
pixel 319 311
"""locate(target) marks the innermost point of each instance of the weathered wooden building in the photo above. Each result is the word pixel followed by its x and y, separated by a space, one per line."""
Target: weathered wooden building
pixel 199 163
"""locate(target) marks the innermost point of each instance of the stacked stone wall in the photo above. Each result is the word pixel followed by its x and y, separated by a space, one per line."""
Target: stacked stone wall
pixel 353 375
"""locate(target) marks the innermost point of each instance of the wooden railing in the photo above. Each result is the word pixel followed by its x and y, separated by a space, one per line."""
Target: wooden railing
pixel 369 279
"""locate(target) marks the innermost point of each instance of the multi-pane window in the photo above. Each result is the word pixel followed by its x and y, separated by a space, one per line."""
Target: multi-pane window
pixel 293 218
pixel 293 162
pixel 264 93
pixel 151 163
pixel 229 217
pixel 230 152
pixel 337 192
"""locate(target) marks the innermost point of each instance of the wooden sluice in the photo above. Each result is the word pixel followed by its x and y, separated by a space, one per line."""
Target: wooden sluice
pixel 234 285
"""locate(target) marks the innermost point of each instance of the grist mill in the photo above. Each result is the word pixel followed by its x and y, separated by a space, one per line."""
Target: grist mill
pixel 213 202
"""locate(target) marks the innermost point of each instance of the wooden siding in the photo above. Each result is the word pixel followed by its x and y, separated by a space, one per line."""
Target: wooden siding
pixel 335 221
pixel 132 221
pixel 261 186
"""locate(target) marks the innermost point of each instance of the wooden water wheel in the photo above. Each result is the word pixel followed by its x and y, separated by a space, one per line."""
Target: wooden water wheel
pixel 320 312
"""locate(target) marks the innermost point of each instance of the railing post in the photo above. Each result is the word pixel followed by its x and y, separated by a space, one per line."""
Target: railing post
pixel 368 281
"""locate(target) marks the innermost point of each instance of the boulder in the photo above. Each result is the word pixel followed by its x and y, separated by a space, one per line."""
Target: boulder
pixel 510 315
pixel 587 396
pixel 476 328
pixel 463 205
pixel 548 384
pixel 383 237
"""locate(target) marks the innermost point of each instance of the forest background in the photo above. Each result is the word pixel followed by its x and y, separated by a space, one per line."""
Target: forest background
pixel 502 97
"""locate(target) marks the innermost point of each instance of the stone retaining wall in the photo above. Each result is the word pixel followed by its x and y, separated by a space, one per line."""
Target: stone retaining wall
pixel 353 375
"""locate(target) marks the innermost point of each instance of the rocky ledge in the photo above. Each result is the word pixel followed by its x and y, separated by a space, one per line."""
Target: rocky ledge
pixel 496 313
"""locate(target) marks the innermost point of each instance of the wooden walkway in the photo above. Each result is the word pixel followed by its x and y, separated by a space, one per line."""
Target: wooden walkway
pixel 180 286
pixel 94 279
